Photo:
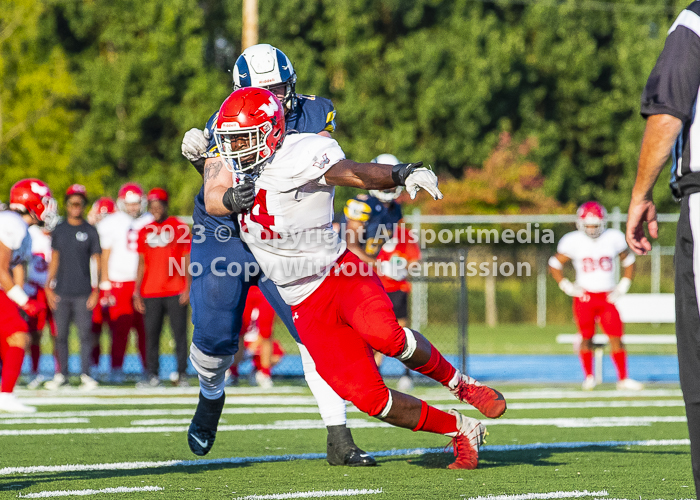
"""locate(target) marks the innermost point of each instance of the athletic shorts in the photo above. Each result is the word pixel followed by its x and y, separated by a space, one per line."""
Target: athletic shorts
pixel 595 306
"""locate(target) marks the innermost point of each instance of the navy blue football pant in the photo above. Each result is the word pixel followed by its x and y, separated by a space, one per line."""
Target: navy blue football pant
pixel 219 291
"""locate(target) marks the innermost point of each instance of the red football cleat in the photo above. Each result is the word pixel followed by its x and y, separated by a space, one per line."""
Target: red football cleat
pixel 489 402
pixel 467 441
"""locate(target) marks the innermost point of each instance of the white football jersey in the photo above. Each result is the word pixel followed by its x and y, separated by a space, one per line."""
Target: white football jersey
pixel 38 268
pixel 593 258
pixel 14 235
pixel 290 227
pixel 119 234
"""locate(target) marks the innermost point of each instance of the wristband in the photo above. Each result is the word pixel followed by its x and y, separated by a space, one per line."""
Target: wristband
pixel 105 286
pixel 401 171
pixel 17 295
pixel 554 263
pixel 623 286
pixel 629 260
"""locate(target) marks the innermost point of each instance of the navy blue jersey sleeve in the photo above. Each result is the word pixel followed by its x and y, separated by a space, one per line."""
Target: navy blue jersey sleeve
pixel 312 115
pixel 212 149
pixel 95 248
pixel 673 84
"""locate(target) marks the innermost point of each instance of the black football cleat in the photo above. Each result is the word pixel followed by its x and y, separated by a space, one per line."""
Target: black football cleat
pixel 342 450
pixel 202 431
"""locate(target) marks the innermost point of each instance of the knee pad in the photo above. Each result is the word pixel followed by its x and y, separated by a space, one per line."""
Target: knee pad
pixel 411 345
pixel 211 371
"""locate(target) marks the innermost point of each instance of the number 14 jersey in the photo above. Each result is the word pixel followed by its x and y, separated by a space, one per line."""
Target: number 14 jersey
pixel 593 258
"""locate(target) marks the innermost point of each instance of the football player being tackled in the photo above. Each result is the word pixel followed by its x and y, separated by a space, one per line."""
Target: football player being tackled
pixel 339 306
pixel 592 250
pixel 218 297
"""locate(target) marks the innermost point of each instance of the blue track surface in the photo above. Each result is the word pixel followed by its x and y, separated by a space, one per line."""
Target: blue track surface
pixel 521 368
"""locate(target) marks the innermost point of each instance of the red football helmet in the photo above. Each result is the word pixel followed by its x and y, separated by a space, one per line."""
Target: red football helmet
pixel 158 194
pixel 33 196
pixel 249 129
pixel 102 207
pixel 131 193
pixel 591 218
pixel 78 189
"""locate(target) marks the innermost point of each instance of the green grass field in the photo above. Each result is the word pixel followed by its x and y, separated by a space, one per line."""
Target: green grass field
pixel 553 440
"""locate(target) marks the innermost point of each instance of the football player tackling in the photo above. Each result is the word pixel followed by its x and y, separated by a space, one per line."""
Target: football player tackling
pixel 340 309
pixel 592 250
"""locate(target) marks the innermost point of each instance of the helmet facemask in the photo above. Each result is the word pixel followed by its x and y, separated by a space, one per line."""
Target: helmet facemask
pixel 245 150
pixel 386 195
pixel 49 217
pixel 591 226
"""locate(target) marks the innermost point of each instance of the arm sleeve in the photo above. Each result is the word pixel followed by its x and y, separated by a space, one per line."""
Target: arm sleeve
pixel 672 87
pixel 56 240
pixel 95 247
pixel 330 120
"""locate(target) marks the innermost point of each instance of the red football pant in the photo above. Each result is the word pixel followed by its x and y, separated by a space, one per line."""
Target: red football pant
pixel 586 312
pixel 12 357
pixel 122 318
pixel 341 323
pixel 596 307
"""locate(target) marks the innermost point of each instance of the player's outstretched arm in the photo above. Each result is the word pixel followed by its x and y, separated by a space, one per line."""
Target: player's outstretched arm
pixel 382 176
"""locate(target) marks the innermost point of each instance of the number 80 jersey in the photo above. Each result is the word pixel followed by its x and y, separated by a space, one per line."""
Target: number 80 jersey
pixel 289 229
pixel 593 258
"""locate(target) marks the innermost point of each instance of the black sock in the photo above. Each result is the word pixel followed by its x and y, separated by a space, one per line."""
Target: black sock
pixel 339 435
pixel 208 412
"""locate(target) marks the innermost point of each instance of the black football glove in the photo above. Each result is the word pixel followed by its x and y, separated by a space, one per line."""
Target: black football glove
pixel 240 197
pixel 401 171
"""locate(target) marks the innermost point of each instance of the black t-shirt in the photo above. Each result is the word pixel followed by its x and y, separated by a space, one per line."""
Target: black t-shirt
pixel 75 244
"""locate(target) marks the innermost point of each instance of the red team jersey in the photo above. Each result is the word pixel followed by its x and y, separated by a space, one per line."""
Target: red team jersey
pixel 159 243
pixel 401 250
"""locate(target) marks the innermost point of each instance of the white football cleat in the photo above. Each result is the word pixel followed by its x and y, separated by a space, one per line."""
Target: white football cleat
pixel 36 382
pixel 589 383
pixel 628 384
pixel 263 381
pixel 10 404
pixel 87 383
pixel 57 382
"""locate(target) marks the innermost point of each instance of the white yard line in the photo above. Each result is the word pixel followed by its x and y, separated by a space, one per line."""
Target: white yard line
pixel 293 425
pixel 545 496
pixel 83 493
pixel 158 391
pixel 312 494
pixel 189 400
pixel 252 410
pixel 41 469
pixel 47 420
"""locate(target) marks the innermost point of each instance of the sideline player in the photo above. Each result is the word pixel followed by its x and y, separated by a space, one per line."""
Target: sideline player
pixel 371 221
pixel 160 288
pixel 118 236
pixel 102 207
pixel 341 310
pixel 592 250
pixel 37 271
pixel 218 298
pixel 30 203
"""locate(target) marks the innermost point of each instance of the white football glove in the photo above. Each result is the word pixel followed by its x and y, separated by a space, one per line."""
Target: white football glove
pixel 622 288
pixel 195 144
pixel 571 289
pixel 422 178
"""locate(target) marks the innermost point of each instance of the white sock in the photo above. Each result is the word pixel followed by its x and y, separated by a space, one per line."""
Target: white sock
pixel 330 405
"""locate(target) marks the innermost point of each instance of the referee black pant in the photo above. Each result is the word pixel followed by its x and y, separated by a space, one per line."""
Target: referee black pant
pixel 156 309
pixel 687 264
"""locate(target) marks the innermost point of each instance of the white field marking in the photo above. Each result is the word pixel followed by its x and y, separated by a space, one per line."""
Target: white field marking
pixel 545 496
pixel 247 410
pixel 293 425
pixel 48 420
pixel 83 493
pixel 159 391
pixel 41 469
pixel 442 395
pixel 166 421
pixel 312 494
pixel 182 400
